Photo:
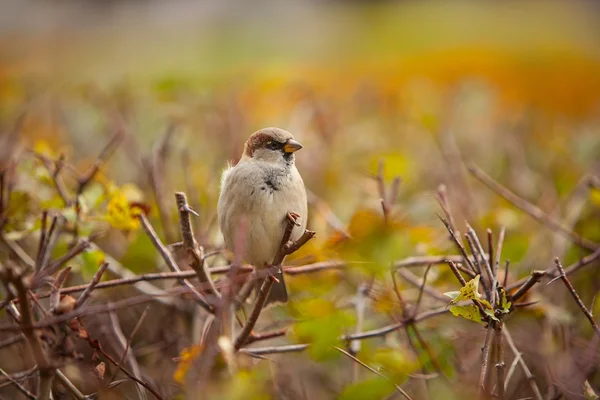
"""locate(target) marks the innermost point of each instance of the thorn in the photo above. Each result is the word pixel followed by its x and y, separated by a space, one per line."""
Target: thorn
pixel 555 279
pixel 188 209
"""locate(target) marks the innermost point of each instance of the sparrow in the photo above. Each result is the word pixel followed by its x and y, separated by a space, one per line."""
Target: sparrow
pixel 262 189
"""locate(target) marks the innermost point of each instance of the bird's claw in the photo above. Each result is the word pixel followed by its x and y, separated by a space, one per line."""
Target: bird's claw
pixel 293 217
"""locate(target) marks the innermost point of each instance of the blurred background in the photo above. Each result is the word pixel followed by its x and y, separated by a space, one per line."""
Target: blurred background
pixel 423 89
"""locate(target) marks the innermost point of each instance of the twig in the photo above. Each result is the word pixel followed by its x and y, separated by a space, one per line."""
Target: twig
pixel 155 166
pixel 422 261
pixel 253 317
pixel 486 356
pixel 257 337
pixel 511 370
pixel 499 253
pixel 88 291
pixel 105 154
pixel 534 278
pixel 168 258
pixel 17 251
pixel 62 378
pixel 499 360
pixel 41 359
pixel 458 244
pixel 285 249
pixel 526 371
pixel 195 257
pixel 421 289
pixel 416 281
pixel 373 370
pixel 81 246
pixel 56 285
pixel 491 276
pixel 118 331
pixel 364 335
pixel 314 267
pixel 12 340
pixel 531 209
pixel 506 267
pixel 20 387
pixel 571 289
pixel 48 245
pixel 460 278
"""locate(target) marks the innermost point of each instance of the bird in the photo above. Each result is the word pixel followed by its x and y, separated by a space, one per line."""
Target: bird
pixel 259 193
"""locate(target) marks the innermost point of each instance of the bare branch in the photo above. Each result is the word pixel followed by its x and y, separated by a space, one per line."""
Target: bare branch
pixel 88 291
pixel 168 258
pixel 398 388
pixel 531 209
pixel 576 297
pixel 195 257
pixel 20 387
pixel 526 371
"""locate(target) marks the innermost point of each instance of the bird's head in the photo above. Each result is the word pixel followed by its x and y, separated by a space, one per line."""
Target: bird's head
pixel 271 145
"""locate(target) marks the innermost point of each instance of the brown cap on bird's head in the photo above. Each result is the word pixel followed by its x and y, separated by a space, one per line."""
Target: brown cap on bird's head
pixel 274 139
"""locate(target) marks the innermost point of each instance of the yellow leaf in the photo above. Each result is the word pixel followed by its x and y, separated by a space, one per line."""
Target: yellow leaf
pixel 468 292
pixel 122 214
pixel 470 312
pixel 186 358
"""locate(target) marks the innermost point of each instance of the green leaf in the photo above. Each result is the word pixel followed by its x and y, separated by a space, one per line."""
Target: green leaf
pixel 91 260
pixel 468 292
pixel 396 362
pixel 504 303
pixel 470 312
pixel 373 389
pixel 453 295
pixel 322 326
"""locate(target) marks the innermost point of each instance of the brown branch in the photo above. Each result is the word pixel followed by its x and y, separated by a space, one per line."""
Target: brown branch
pixel 528 375
pixel 195 257
pixel 458 244
pixel 534 278
pixel 168 258
pixel 41 359
pixel 486 263
pixel 531 209
pixel 499 253
pixel 47 245
pixel 88 291
pixel 62 378
pixel 19 387
pixel 56 285
pixel 460 278
pixel 284 250
pixel 105 154
pixel 81 246
pixel 486 359
pixel 155 166
pixel 499 360
pixel 416 281
pixel 257 337
pixel 359 336
pixel 576 297
pixel 314 267
pixel 118 331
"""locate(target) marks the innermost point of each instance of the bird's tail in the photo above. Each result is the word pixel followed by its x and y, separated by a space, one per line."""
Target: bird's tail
pixel 278 293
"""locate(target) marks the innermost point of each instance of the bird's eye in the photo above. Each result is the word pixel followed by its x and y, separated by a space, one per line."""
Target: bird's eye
pixel 272 145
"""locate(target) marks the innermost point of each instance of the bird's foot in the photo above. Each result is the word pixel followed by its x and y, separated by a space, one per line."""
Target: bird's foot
pixel 293 218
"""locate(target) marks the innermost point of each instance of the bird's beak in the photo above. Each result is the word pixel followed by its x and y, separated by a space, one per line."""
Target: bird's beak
pixel 291 146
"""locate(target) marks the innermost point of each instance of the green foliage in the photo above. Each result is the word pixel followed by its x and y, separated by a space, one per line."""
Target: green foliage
pixel 321 325
pixel 372 388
